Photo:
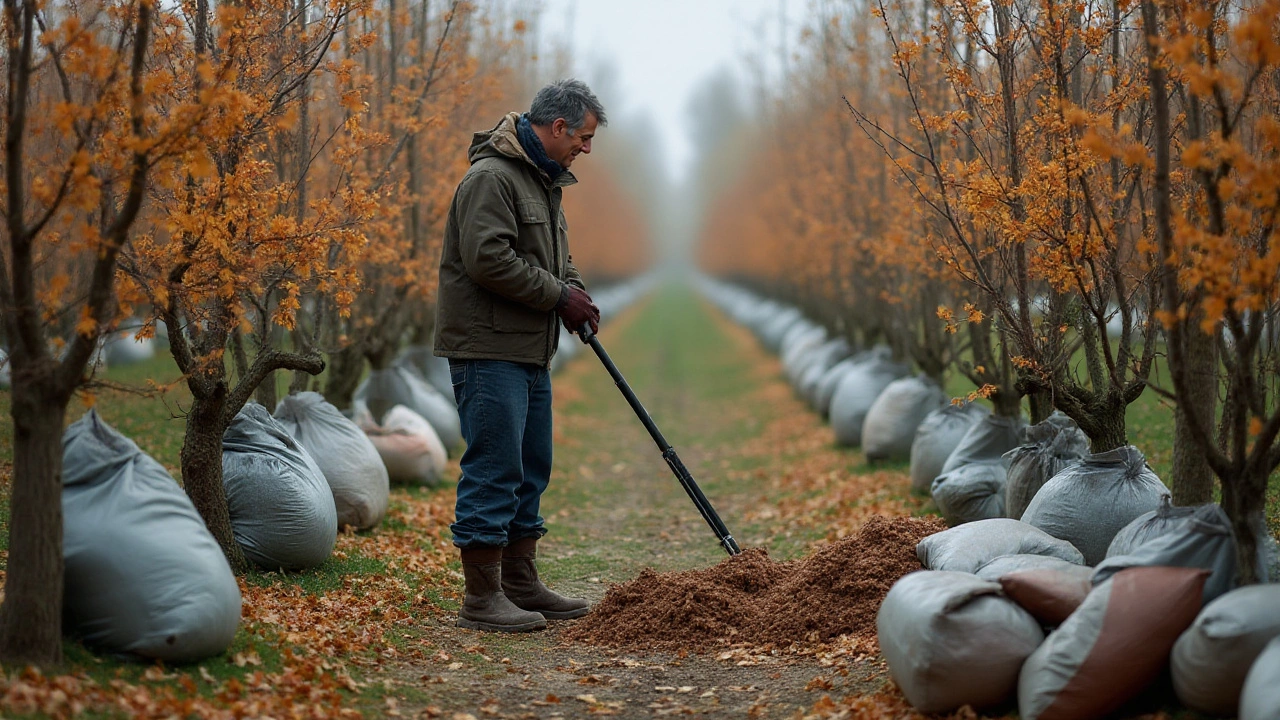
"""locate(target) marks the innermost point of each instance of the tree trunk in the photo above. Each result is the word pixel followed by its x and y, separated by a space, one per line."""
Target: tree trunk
pixel 1006 404
pixel 1041 402
pixel 202 475
pixel 424 331
pixel 31 617
pixel 345 369
pixel 1101 416
pixel 266 394
pixel 380 354
pixel 1192 482
pixel 1244 500
pixel 1106 430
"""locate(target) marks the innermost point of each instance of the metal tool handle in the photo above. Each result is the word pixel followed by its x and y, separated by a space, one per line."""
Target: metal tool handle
pixel 682 473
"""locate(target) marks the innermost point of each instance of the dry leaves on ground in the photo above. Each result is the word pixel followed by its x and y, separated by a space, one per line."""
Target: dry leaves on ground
pixel 320 638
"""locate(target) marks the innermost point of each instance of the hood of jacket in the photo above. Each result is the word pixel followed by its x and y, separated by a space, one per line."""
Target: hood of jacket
pixel 502 141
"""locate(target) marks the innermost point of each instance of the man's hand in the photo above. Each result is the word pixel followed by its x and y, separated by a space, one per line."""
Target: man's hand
pixel 576 309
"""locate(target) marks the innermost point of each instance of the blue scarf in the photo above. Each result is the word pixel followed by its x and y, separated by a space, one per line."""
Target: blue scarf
pixel 533 148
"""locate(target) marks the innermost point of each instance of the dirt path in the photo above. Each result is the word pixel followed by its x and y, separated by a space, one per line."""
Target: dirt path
pixel 614 508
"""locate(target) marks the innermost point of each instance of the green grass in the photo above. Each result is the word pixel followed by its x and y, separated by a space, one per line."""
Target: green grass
pixel 103 669
pixel 318 580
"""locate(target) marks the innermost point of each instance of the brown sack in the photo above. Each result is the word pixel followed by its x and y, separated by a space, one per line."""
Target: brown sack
pixel 1049 595
pixel 1112 646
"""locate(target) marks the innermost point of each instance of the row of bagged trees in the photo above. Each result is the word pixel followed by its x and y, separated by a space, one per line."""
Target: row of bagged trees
pixel 1069 204
pixel 261 187
pixel 1068 580
pixel 144 576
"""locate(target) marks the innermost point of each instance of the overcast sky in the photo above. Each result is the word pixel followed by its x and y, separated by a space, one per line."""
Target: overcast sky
pixel 653 54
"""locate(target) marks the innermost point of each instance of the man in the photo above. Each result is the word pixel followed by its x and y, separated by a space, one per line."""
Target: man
pixel 505 278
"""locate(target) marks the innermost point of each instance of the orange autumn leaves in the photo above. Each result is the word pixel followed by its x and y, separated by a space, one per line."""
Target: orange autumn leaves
pixel 1225 241
pixel 79 144
pixel 1066 188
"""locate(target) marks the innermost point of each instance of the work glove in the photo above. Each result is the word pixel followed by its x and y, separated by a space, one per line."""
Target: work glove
pixel 576 309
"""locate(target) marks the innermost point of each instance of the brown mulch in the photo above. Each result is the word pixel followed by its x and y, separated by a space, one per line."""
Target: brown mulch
pixel 750 599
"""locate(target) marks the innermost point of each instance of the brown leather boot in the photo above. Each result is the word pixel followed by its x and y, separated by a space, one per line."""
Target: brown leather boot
pixel 485 606
pixel 521 584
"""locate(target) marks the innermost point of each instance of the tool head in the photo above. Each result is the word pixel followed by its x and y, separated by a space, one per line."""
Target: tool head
pixel 730 545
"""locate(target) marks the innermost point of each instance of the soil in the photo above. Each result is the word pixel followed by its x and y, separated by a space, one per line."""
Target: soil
pixel 748 637
pixel 751 599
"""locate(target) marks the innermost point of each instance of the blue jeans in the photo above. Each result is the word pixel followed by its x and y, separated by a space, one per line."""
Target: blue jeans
pixel 505 409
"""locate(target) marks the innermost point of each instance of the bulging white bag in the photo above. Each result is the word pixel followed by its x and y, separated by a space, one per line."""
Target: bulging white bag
pixel 968 547
pixel 1212 658
pixel 891 423
pixel 857 392
pixel 143 576
pixel 937 437
pixel 384 389
pixel 344 454
pixel 1088 503
pixel 408 446
pixel 282 510
pixel 951 639
pixel 1051 447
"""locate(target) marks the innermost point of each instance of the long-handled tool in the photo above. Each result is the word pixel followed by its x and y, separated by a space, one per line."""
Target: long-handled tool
pixel 668 453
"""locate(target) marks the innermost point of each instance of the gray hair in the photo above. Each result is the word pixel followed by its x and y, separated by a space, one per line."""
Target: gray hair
pixel 569 99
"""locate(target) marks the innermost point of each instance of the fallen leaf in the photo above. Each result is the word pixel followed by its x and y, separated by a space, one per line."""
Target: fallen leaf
pixel 155 673
pixel 818 683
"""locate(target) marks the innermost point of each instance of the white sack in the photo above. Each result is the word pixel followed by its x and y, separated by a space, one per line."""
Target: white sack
pixel 384 389
pixel 891 423
pixel 1212 658
pixel 1052 445
pixel 855 395
pixel 1005 564
pixel 951 639
pixel 342 451
pixel 435 370
pixel 282 510
pixel 937 437
pixel 143 576
pixel 1148 526
pixel 1260 697
pixel 1089 502
pixel 408 446
pixel 1203 540
pixel 968 547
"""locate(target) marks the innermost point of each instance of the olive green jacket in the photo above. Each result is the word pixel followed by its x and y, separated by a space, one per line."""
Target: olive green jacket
pixel 505 259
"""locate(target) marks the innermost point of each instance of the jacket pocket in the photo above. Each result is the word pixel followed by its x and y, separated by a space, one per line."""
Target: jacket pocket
pixel 535 243
pixel 513 317
pixel 532 212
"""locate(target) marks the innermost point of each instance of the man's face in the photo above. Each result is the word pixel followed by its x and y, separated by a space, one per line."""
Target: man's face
pixel 564 147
